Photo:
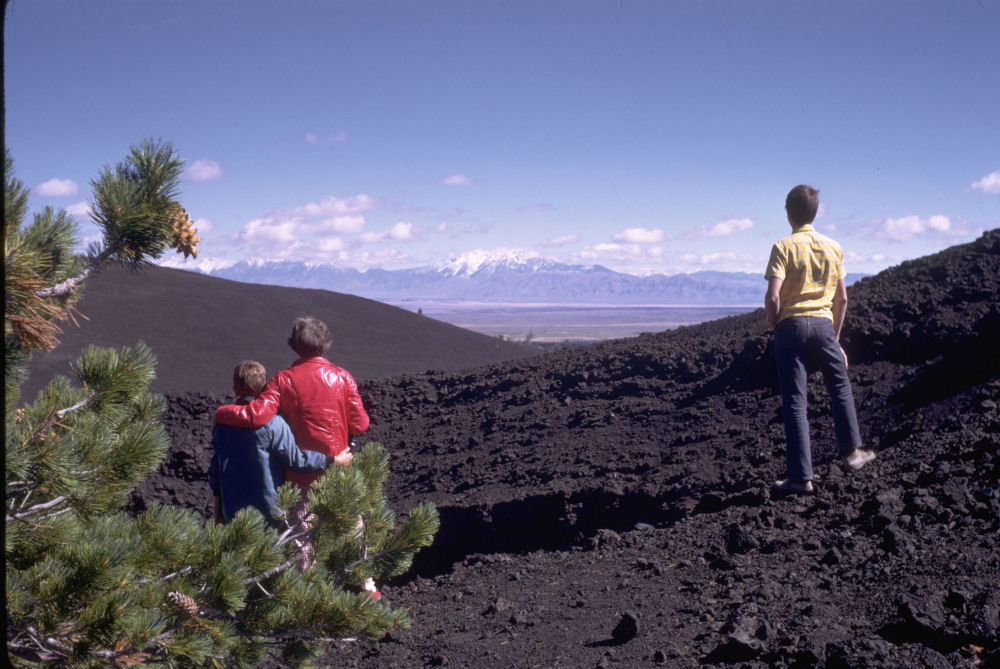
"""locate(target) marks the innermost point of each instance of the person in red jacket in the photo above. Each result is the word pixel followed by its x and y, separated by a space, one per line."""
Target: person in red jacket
pixel 321 404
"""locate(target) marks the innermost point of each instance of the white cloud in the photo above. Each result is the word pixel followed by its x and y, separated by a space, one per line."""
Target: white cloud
pixel 899 229
pixel 456 180
pixel 608 252
pixel 725 261
pixel 203 225
pixel 336 206
pixel 401 231
pixel 988 184
pixel 311 137
pixel 721 229
pixel 267 231
pixel 874 258
pixel 328 230
pixel 348 225
pixel 331 245
pixel 398 233
pixel 639 236
pixel 383 257
pixel 57 188
pixel 79 211
pixel 203 170
pixel 560 241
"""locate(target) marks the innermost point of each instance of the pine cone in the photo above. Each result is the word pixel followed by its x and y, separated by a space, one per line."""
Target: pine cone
pixel 183 239
pixel 187 605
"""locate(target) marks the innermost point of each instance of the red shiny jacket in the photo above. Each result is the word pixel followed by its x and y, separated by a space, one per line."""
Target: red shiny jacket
pixel 319 400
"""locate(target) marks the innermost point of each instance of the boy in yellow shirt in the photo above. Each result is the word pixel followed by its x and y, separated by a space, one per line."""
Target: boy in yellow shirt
pixel 806 302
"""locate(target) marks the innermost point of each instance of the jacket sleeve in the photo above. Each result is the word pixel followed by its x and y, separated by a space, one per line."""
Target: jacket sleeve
pixel 256 413
pixel 287 452
pixel 357 417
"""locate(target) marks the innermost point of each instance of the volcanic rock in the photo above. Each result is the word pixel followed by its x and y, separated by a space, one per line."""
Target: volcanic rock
pixel 541 468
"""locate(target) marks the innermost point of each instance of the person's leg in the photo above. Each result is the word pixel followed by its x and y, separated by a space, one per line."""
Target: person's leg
pixel 790 355
pixel 300 519
pixel 828 355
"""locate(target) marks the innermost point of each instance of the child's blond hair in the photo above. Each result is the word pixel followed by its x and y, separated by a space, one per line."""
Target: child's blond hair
pixel 249 378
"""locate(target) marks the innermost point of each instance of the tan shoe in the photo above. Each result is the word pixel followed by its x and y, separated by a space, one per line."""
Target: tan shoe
pixel 793 487
pixel 858 458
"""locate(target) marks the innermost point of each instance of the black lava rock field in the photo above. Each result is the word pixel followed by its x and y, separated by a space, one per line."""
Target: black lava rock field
pixel 610 506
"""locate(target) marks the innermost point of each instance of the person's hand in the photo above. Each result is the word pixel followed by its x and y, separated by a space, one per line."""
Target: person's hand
pixel 344 458
pixel 844 353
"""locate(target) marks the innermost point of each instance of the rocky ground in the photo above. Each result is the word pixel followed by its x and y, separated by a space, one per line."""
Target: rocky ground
pixel 610 506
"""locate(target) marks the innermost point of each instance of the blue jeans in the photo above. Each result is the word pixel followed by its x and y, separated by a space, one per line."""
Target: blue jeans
pixel 801 342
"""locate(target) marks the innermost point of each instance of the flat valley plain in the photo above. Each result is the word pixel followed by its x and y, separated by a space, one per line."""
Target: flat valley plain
pixel 554 323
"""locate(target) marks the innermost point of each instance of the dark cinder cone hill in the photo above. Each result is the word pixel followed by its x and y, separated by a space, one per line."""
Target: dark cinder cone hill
pixel 199 327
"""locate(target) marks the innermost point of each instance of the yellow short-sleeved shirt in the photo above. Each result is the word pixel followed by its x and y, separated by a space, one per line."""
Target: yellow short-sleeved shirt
pixel 809 265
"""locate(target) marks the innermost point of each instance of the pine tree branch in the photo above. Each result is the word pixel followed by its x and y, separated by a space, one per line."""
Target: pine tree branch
pixel 39 434
pixel 346 571
pixel 49 650
pixel 54 514
pixel 54 650
pixel 287 563
pixel 274 570
pixel 167 577
pixel 38 508
pixel 285 538
pixel 68 287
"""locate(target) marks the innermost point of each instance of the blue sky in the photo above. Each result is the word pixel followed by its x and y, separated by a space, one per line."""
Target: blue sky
pixel 646 136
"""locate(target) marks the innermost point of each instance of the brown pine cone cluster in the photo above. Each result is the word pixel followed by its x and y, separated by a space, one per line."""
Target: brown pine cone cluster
pixel 187 605
pixel 183 239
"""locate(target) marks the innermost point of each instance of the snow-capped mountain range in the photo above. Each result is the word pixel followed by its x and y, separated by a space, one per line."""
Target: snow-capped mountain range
pixel 507 279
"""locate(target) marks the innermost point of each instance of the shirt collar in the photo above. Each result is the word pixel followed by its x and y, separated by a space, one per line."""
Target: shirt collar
pixel 318 358
pixel 804 228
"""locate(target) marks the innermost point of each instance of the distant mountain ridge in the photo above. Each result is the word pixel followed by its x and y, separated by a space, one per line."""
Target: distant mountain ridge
pixel 508 280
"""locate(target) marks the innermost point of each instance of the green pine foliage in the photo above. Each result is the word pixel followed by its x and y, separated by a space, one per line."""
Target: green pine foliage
pixel 91 586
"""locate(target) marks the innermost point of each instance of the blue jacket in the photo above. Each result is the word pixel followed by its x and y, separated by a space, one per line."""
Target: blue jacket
pixel 248 465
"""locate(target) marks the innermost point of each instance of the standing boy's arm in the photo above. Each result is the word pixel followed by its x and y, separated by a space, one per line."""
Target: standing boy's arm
pixel 839 313
pixel 256 413
pixel 839 307
pixel 772 300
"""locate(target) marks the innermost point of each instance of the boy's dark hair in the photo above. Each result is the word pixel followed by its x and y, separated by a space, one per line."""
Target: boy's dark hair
pixel 249 378
pixel 801 204
pixel 310 337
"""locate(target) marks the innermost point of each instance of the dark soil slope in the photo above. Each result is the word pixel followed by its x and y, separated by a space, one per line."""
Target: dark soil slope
pixel 610 506
pixel 200 327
